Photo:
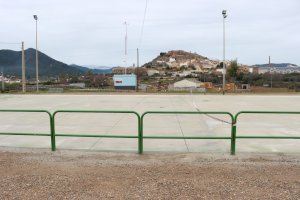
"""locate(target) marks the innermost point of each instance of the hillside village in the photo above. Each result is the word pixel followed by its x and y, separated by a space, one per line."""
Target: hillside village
pixel 179 70
pixel 181 61
pixel 162 73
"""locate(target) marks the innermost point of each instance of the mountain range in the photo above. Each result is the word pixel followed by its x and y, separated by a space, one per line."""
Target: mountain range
pixel 11 62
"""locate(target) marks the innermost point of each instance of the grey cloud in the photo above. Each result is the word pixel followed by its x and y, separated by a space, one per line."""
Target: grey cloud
pixel 91 31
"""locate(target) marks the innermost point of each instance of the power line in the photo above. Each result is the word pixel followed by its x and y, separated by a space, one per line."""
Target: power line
pixel 142 28
pixel 11 43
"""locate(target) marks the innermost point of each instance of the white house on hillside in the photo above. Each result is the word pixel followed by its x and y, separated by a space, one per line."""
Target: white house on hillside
pixel 187 84
pixel 151 72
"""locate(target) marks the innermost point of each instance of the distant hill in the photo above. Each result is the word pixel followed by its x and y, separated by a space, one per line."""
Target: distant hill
pixel 10 62
pixel 94 69
pixel 176 59
pixel 277 65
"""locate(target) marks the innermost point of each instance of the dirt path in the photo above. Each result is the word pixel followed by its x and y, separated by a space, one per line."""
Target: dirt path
pixel 40 174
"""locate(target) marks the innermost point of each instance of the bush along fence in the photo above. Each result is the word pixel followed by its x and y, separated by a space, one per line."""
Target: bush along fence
pixel 140 126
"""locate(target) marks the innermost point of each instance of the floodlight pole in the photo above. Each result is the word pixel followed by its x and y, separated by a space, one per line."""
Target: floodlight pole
pixel 125 59
pixel 23 70
pixel 271 73
pixel 36 54
pixel 224 65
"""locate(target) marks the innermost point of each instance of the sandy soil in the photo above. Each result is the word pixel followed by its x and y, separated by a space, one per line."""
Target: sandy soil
pixel 40 174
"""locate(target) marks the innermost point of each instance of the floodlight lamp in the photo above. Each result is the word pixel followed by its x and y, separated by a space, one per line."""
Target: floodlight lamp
pixel 35 17
pixel 224 13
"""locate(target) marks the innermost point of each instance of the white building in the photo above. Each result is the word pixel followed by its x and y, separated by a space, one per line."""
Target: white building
pixel 151 72
pixel 278 70
pixel 8 80
pixel 172 59
pixel 77 85
pixel 185 73
pixel 187 83
pixel 263 70
pixel 220 70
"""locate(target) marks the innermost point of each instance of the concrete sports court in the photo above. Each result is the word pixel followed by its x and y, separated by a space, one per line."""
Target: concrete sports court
pixel 163 125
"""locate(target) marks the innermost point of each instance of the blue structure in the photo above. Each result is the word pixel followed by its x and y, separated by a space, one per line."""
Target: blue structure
pixel 125 81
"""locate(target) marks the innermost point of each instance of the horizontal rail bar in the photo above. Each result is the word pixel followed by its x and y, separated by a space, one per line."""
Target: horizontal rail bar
pixel 95 111
pixel 26 111
pixel 267 137
pixel 29 134
pixel 91 135
pixel 183 137
pixel 267 112
pixel 188 112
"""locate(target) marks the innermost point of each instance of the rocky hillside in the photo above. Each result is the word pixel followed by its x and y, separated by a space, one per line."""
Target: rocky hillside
pixel 178 59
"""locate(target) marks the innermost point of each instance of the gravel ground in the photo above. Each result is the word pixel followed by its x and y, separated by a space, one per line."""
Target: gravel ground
pixel 40 174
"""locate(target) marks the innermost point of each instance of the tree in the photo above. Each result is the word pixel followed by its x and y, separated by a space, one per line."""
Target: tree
pixel 232 69
pixel 88 78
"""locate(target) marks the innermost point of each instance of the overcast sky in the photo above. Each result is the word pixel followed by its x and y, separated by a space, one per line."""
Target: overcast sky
pixel 91 32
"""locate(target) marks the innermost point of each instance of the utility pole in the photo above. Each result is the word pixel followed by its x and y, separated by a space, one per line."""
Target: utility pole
pixel 224 66
pixel 137 57
pixel 137 68
pixel 23 70
pixel 125 59
pixel 271 73
pixel 36 54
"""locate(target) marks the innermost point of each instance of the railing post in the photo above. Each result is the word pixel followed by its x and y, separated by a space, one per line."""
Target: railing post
pixel 52 126
pixel 233 137
pixel 140 138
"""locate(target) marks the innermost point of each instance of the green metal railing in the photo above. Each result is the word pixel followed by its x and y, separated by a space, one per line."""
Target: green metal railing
pixel 140 124
pixel 232 137
pixel 264 136
pixel 33 134
pixel 102 136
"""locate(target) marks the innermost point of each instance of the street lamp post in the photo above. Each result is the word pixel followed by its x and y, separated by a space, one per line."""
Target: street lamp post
pixel 23 70
pixel 224 66
pixel 36 54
